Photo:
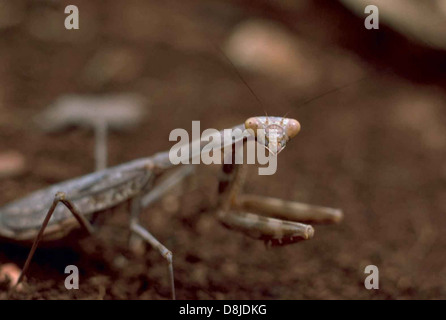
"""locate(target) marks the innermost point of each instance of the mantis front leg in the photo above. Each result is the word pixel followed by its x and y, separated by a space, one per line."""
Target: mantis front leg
pixel 275 221
pixel 233 216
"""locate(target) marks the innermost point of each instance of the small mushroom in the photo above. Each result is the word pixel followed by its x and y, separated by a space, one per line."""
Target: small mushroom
pixel 117 112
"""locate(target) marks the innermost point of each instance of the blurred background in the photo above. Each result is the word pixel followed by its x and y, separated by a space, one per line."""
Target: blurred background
pixel 373 139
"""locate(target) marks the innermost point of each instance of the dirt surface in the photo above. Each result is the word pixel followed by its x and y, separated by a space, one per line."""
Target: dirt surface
pixel 373 142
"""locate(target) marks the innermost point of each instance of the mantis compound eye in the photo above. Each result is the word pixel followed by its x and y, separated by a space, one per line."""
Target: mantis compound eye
pixel 252 123
pixel 292 128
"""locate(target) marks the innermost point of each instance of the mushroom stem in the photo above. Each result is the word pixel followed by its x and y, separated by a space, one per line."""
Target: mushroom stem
pixel 101 151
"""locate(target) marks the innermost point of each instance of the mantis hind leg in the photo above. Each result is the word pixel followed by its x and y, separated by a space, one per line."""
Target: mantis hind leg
pixel 59 197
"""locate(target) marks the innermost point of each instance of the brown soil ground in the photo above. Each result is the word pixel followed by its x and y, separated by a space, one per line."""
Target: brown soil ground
pixel 374 147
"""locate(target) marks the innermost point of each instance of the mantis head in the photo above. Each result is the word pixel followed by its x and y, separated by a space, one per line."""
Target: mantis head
pixel 273 132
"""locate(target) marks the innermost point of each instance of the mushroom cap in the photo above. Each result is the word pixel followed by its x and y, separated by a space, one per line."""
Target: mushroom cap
pixel 118 111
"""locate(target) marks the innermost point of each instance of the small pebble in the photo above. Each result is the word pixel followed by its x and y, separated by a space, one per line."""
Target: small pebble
pixel 266 47
pixel 12 163
pixel 10 272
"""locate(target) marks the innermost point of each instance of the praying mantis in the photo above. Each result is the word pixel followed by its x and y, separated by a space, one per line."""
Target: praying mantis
pixel 141 182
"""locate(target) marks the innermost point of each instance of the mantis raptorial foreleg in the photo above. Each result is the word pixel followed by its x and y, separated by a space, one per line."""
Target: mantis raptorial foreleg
pixel 233 216
pixel 289 210
pixel 272 220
